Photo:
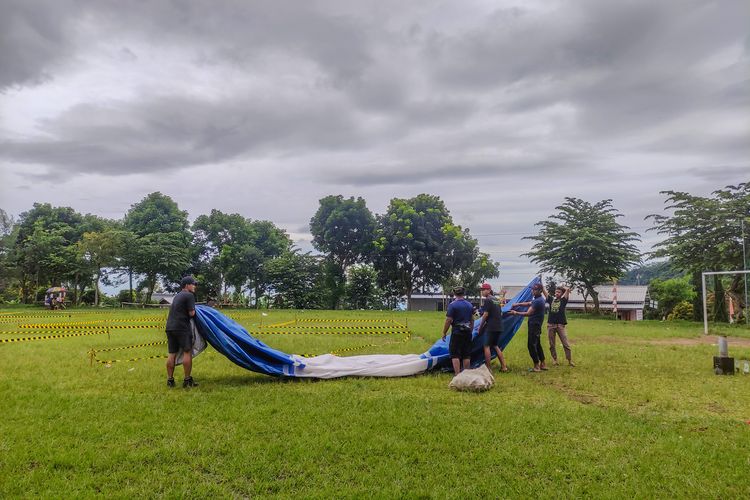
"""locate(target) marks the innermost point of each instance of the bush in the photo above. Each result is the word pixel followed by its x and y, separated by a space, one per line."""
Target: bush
pixel 683 310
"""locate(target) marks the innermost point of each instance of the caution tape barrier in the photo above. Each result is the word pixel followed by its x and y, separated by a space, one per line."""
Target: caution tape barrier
pixel 52 326
pixel 51 337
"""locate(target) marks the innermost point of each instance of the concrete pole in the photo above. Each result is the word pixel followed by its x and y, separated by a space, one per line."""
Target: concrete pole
pixel 705 309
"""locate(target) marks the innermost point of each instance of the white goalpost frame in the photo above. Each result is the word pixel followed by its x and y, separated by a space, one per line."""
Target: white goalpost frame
pixel 705 307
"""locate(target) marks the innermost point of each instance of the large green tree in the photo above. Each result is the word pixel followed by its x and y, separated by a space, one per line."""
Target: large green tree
pixel 161 247
pixel 418 245
pixel 45 248
pixel 706 234
pixel 362 291
pixel 103 249
pixel 584 243
pixel 669 293
pixel 342 229
pixel 8 270
pixel 296 280
pixel 238 249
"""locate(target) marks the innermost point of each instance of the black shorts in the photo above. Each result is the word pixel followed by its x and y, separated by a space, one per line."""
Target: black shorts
pixel 460 344
pixel 492 338
pixel 179 341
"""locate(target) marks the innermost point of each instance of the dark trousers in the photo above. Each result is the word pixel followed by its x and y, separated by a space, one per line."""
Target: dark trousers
pixel 535 342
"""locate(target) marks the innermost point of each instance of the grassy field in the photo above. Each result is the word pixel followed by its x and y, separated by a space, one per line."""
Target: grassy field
pixel 642 415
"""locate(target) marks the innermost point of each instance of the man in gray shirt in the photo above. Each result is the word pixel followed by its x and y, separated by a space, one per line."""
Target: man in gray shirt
pixel 179 333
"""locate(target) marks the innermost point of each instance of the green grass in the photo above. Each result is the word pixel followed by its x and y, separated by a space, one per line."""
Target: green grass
pixel 636 418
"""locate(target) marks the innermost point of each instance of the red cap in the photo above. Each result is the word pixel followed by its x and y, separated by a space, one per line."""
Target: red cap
pixel 486 286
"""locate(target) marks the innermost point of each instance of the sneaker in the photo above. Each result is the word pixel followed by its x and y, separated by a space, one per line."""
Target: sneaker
pixel 189 382
pixel 170 382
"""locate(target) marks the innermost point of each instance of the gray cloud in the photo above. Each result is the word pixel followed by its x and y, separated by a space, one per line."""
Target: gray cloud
pixel 34 37
pixel 173 132
pixel 588 98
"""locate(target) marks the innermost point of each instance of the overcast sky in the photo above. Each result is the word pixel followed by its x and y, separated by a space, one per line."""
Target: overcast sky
pixel 501 108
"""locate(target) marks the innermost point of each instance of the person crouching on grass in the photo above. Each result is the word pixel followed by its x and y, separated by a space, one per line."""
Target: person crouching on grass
pixel 179 334
pixel 492 322
pixel 460 319
pixel 535 313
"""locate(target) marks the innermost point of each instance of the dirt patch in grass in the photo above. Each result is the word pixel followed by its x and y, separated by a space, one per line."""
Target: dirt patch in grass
pixel 693 341
pixel 702 340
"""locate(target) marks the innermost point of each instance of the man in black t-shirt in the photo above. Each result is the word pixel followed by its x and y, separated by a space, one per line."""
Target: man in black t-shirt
pixel 492 326
pixel 556 322
pixel 179 333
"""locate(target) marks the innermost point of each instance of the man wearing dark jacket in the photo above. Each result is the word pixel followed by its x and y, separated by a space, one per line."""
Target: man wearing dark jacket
pixel 179 333
pixel 492 326
pixel 535 313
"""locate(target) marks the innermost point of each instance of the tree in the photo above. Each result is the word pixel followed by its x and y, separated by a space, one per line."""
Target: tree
pixel 465 265
pixel 343 230
pixel 643 274
pixel 44 249
pixel 102 249
pixel 705 234
pixel 238 249
pixel 669 293
pixel 584 244
pixel 161 248
pixel 8 270
pixel 418 245
pixel 296 280
pixel 362 290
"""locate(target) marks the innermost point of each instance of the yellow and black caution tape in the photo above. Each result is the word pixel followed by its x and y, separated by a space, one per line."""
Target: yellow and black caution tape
pixel 95 322
pixel 42 330
pixel 326 327
pixel 324 332
pixel 52 337
pixel 93 353
pixel 278 325
pixel 318 320
pixel 62 326
pixel 336 352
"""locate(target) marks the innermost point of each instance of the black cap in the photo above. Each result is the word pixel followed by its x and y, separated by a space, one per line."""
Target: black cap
pixel 187 280
pixel 459 290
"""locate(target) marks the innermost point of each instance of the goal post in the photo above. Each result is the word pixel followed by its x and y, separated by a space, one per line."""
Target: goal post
pixel 703 285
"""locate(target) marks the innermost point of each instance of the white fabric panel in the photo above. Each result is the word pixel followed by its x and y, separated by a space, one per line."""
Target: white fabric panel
pixel 376 365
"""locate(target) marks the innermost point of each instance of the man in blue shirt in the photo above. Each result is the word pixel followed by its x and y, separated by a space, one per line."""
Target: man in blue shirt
pixel 535 313
pixel 460 319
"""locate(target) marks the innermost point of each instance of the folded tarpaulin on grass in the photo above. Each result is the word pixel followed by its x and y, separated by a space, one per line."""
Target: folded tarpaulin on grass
pixel 233 341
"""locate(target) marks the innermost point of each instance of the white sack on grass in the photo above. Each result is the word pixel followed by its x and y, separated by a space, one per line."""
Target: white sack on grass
pixel 478 379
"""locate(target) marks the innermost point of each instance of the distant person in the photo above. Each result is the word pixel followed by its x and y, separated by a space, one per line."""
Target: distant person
pixel 48 301
pixel 535 313
pixel 459 318
pixel 556 322
pixel 492 324
pixel 179 334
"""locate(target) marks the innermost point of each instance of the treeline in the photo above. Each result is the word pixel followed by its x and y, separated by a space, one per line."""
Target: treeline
pixel 585 245
pixel 368 261
pixel 371 260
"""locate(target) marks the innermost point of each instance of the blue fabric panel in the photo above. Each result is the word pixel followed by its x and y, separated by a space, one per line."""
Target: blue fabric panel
pixel 511 324
pixel 234 342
